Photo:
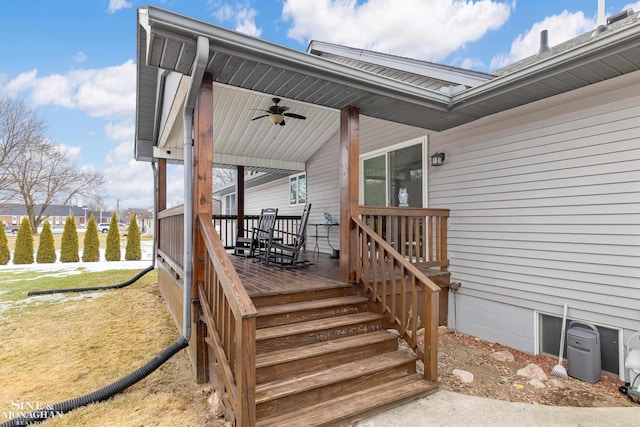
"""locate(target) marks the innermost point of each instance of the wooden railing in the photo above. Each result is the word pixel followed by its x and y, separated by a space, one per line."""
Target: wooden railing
pixel 230 317
pixel 171 238
pixel 225 225
pixel 399 288
pixel 420 235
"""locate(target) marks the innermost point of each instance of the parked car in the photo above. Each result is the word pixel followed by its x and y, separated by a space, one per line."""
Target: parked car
pixel 103 227
pixel 13 229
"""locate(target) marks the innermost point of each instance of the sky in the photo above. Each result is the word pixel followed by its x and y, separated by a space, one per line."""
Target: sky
pixel 73 61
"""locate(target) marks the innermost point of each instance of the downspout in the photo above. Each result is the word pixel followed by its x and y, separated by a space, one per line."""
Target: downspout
pixel 198 69
pixel 105 393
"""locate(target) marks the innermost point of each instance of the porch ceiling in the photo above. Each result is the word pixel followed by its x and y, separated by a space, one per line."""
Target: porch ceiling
pixel 247 72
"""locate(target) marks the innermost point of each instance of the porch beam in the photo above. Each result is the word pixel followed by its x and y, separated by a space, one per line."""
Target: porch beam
pixel 349 172
pixel 202 204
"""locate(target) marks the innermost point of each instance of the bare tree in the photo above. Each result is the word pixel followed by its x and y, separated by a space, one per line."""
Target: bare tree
pixel 19 127
pixel 223 176
pixel 35 171
pixel 44 175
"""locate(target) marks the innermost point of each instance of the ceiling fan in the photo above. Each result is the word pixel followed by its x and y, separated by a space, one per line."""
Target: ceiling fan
pixel 277 113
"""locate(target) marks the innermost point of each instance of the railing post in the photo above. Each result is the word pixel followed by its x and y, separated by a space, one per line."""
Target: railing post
pixel 431 335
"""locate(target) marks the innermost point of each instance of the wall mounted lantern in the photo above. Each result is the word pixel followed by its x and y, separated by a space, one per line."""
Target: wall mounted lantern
pixel 437 159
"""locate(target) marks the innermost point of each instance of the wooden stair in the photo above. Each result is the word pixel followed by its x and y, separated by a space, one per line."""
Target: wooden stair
pixel 323 359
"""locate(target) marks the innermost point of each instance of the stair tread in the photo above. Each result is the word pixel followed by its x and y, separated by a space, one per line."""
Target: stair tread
pixel 358 405
pixel 310 305
pixel 314 325
pixel 290 386
pixel 325 347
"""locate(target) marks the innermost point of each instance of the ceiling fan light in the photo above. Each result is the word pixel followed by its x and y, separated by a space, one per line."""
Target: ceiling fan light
pixel 276 118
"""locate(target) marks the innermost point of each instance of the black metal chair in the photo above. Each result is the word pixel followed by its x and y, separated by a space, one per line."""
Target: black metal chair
pixel 288 255
pixel 257 241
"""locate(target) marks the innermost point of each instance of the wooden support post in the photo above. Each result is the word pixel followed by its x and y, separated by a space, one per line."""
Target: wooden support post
pixel 240 201
pixel 202 204
pixel 349 173
pixel 161 188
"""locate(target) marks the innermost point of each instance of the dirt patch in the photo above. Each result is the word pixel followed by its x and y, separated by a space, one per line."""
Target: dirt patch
pixel 499 379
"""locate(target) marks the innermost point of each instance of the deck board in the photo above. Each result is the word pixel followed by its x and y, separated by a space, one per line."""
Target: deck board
pixel 264 280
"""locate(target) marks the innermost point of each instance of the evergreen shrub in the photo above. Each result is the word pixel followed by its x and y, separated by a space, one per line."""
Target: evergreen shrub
pixel 5 255
pixel 46 248
pixel 112 253
pixel 91 251
pixel 69 245
pixel 23 252
pixel 133 251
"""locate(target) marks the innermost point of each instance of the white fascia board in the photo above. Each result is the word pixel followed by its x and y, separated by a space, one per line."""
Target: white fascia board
pixel 175 111
pixel 456 76
pixel 175 155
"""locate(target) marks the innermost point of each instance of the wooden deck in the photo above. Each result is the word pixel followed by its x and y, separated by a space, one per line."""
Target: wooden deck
pixel 261 280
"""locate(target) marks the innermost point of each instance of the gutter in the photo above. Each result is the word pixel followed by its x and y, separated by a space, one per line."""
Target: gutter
pixel 197 73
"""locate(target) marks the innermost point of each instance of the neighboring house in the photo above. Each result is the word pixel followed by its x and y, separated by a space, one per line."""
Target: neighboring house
pixel 57 214
pixel 540 162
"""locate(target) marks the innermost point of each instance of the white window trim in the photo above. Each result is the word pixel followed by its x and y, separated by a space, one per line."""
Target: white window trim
pixel 296 176
pixel 385 151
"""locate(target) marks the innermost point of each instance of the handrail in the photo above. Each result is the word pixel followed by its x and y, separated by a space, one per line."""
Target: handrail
pixel 230 317
pixel 419 234
pixel 386 273
pixel 226 226
pixel 171 238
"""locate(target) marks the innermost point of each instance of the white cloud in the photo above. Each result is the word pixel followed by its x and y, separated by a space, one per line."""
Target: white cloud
pixel 241 14
pixel 122 131
pixel 635 6
pixel 374 24
pixel 116 5
pixel 560 28
pixel 24 81
pixel 72 153
pixel 107 93
pixel 80 57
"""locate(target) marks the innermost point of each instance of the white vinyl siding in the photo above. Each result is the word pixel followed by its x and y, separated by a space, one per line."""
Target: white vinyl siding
pixel 545 205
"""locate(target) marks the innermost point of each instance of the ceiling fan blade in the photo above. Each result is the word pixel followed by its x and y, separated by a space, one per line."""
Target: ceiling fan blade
pixel 282 123
pixel 259 117
pixel 295 116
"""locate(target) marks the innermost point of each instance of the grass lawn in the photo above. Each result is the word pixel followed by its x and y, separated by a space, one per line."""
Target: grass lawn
pixel 55 348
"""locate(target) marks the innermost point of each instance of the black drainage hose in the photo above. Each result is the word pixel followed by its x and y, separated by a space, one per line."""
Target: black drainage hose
pixel 94 288
pixel 105 393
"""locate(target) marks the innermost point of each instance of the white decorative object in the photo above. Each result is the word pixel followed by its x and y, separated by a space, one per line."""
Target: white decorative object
pixel 403 197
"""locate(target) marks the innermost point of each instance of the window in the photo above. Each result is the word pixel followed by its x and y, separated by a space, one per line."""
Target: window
pixel 395 176
pixel 551 327
pixel 230 204
pixel 298 189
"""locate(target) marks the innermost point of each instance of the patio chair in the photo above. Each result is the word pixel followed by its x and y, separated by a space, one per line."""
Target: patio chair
pixel 257 237
pixel 288 255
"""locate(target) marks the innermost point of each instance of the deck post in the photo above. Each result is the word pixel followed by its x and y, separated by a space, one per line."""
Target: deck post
pixel 240 202
pixel 161 188
pixel 349 173
pixel 202 204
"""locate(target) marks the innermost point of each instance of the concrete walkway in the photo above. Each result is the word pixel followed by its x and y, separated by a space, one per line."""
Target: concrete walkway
pixel 446 408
